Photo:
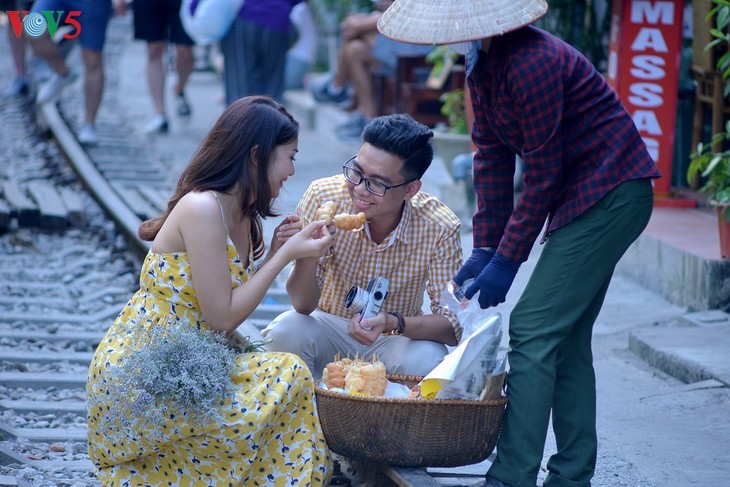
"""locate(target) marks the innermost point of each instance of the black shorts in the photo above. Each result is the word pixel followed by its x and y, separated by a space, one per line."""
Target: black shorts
pixel 159 20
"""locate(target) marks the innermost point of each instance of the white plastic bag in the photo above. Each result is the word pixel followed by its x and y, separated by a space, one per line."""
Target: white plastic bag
pixel 211 20
pixel 463 373
pixel 467 369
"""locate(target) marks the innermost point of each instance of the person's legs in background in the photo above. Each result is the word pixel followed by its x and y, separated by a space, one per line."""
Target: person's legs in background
pixel 184 57
pixel 358 32
pixel 93 92
pixel 158 23
pixel 92 38
pixel 48 51
pixel 184 64
pixel 238 57
pixel 156 83
pixel 255 59
pixel 19 86
pixel 17 44
pixel 271 54
pixel 94 17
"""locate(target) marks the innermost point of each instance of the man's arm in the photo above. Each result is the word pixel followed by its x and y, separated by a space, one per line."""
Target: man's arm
pixel 433 327
pixel 445 262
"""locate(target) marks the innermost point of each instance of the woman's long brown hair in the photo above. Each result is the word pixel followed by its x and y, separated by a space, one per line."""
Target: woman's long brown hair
pixel 250 125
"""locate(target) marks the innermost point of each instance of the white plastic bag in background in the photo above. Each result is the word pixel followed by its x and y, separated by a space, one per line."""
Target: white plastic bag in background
pixel 211 20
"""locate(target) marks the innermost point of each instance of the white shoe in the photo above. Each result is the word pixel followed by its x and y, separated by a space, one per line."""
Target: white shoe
pixel 158 125
pixel 51 90
pixel 87 134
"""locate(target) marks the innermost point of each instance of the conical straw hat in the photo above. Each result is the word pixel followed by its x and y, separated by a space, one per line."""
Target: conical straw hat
pixel 450 21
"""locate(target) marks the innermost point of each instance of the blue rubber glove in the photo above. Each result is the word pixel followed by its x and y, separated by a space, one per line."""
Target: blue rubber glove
pixel 474 265
pixel 493 282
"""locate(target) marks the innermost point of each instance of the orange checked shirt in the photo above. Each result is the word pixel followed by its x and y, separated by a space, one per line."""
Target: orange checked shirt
pixel 422 254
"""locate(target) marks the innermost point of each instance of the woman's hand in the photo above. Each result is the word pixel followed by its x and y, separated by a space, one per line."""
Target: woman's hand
pixel 290 226
pixel 311 242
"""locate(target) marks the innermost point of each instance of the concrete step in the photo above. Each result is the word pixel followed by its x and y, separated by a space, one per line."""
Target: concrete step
pixel 692 348
pixel 678 257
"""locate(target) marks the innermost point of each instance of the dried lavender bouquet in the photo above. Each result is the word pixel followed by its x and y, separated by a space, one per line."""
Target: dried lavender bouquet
pixel 174 370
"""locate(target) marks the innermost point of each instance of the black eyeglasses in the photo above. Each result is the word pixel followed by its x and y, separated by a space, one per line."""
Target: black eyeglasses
pixel 356 177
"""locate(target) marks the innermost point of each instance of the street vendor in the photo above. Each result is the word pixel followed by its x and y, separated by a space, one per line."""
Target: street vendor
pixel 586 171
pixel 409 238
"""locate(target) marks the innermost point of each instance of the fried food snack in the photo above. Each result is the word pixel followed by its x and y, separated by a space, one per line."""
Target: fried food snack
pixel 345 221
pixel 366 378
pixel 335 372
pixel 326 212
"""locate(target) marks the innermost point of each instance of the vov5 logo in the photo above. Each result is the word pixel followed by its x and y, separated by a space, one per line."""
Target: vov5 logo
pixel 36 23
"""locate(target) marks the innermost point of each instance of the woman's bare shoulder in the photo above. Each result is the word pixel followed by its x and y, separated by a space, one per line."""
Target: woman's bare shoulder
pixel 199 204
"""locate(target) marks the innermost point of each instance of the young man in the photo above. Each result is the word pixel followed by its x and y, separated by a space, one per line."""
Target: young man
pixel 410 238
pixel 586 170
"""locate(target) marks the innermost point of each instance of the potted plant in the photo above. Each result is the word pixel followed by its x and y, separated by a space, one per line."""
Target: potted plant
pixel 712 161
pixel 714 167
pixel 453 139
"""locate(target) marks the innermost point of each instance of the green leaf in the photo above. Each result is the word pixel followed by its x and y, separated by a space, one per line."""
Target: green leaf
pixel 718 137
pixel 712 165
pixel 712 44
pixel 723 17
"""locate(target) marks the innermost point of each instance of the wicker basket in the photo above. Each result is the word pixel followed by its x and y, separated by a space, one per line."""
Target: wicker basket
pixel 410 432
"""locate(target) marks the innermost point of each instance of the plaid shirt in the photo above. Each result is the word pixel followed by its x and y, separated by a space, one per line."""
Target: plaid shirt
pixel 422 254
pixel 535 96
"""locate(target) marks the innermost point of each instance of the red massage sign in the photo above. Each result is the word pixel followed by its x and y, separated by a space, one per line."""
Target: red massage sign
pixel 643 67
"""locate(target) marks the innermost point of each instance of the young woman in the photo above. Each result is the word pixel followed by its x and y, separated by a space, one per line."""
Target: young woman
pixel 200 271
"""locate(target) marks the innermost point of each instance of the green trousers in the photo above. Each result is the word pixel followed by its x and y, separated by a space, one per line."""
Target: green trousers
pixel 550 357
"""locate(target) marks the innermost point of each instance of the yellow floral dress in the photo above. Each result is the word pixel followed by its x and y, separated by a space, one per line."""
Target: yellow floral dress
pixel 271 433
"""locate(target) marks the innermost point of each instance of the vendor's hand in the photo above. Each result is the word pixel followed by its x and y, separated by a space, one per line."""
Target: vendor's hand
pixel 473 266
pixel 493 282
pixel 368 330
pixel 311 242
pixel 290 226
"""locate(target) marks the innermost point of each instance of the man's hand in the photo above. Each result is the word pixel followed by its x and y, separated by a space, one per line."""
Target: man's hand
pixel 474 265
pixel 493 282
pixel 368 330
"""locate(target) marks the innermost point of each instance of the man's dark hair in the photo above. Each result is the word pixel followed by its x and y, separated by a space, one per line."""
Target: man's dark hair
pixel 408 139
